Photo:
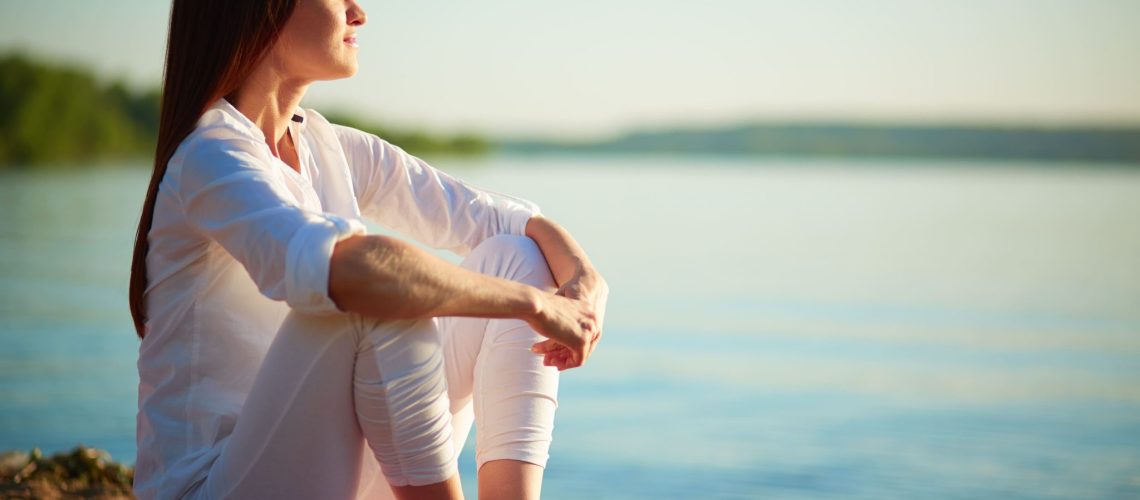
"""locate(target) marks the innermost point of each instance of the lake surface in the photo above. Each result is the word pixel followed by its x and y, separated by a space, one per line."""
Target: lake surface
pixel 785 329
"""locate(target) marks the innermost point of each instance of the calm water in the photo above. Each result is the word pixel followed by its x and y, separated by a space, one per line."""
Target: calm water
pixel 777 329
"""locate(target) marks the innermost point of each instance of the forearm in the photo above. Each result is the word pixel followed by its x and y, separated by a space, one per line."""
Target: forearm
pixel 384 277
pixel 564 255
pixel 577 280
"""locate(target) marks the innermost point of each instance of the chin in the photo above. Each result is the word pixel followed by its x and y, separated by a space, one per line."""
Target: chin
pixel 341 72
pixel 350 68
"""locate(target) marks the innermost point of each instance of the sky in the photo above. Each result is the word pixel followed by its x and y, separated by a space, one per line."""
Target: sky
pixel 592 68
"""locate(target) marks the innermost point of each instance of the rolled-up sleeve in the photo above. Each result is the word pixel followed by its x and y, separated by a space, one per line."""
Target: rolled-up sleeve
pixel 402 192
pixel 228 194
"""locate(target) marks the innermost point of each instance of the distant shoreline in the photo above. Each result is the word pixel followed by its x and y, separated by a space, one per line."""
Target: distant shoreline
pixel 1094 144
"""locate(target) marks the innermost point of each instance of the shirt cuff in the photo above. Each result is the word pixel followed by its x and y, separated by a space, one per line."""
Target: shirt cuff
pixel 307 262
pixel 517 213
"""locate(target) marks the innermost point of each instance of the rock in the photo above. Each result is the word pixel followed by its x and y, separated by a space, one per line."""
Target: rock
pixel 12 461
pixel 81 473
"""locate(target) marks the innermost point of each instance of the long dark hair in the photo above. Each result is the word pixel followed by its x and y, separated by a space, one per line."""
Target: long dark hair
pixel 212 47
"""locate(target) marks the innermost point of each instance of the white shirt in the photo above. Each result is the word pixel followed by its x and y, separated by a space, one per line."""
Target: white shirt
pixel 239 237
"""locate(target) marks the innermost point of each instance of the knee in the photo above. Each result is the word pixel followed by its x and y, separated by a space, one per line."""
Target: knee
pixel 508 245
pixel 513 257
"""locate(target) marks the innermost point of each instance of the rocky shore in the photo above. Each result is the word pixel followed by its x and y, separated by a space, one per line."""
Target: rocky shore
pixel 80 473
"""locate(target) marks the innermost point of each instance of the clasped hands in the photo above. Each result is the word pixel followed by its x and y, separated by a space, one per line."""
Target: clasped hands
pixel 571 319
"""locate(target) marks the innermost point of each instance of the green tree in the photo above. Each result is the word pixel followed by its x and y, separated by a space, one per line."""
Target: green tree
pixel 61 115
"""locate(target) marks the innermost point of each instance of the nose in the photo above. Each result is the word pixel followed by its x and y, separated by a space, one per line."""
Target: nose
pixel 356 15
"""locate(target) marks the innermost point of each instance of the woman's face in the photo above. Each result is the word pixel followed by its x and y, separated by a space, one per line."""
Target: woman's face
pixel 318 41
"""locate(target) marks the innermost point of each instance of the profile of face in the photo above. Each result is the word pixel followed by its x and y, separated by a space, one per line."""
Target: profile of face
pixel 318 42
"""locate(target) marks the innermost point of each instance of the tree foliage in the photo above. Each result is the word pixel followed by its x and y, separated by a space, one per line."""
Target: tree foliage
pixel 58 115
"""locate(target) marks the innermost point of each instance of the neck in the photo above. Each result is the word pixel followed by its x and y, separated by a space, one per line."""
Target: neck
pixel 268 100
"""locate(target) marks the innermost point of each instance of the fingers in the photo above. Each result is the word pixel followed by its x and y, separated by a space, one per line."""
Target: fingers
pixel 593 344
pixel 565 358
pixel 558 359
pixel 572 331
pixel 559 356
pixel 546 346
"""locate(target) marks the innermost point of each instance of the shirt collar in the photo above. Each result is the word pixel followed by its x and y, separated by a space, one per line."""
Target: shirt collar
pixel 224 106
pixel 299 119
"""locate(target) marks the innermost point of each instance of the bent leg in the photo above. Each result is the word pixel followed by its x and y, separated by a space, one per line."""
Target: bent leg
pixel 328 385
pixel 496 381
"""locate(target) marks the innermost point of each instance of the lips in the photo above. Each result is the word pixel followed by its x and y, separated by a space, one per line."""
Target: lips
pixel 351 41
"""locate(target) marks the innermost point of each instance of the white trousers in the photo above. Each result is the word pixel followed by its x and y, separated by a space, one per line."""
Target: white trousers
pixel 339 394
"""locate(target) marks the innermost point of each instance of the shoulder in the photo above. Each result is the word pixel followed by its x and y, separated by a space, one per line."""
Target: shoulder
pixel 216 135
pixel 353 141
pixel 216 128
pixel 216 148
pixel 345 134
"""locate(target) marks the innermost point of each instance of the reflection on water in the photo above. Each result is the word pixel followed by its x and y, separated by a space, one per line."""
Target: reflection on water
pixel 775 328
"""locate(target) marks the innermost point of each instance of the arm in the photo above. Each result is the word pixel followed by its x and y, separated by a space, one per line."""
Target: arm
pixel 384 277
pixel 387 278
pixel 228 194
pixel 576 277
pixel 566 258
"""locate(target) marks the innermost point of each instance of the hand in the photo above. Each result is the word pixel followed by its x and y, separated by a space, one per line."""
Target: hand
pixel 592 290
pixel 569 324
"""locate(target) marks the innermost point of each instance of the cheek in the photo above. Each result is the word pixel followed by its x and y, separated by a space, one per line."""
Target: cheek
pixel 304 55
pixel 312 46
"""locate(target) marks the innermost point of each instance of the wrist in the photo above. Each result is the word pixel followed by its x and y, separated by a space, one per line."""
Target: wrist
pixel 531 303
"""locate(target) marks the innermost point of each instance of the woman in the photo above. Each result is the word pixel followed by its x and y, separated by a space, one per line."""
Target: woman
pixel 285 352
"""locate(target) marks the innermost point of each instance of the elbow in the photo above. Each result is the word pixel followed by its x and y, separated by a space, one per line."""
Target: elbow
pixel 345 285
pixel 360 279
